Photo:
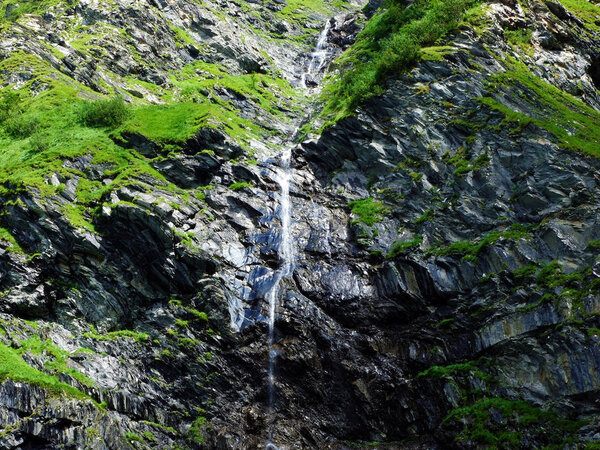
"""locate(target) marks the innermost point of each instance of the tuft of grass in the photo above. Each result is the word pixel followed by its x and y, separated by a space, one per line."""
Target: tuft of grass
pixel 520 37
pixel 20 8
pixel 427 216
pixel 369 211
pixel 112 335
pixel 196 430
pixel 454 369
pixel 594 244
pixel 586 11
pixel 470 249
pixel 401 248
pixel 132 437
pixel 240 185
pixel 7 237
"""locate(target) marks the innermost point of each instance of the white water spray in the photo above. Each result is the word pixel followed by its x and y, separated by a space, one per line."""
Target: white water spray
pixel 285 248
pixel 286 256
pixel 318 56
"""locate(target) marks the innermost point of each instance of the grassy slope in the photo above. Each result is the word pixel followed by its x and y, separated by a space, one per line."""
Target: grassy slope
pixel 390 43
pixel 397 37
pixel 14 367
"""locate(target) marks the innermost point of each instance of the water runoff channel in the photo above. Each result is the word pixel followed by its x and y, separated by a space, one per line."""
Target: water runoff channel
pixel 285 249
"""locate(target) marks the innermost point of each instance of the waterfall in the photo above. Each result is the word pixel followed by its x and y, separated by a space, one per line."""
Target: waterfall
pixel 318 56
pixel 286 256
pixel 283 177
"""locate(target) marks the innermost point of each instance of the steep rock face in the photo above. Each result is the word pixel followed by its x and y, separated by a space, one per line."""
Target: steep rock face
pixel 456 295
pixel 490 234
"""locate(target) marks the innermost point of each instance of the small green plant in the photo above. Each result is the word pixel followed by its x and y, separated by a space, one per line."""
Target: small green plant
pixel 594 244
pixel 240 185
pixel 181 323
pixel 525 271
pixel 426 217
pixel 454 369
pixel 446 323
pixel 368 211
pixel 148 436
pixel 132 437
pixel 196 430
pixel 403 247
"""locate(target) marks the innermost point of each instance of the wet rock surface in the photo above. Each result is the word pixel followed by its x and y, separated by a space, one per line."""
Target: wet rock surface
pixel 479 281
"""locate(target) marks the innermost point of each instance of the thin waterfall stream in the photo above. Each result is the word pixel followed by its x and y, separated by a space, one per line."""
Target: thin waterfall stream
pixel 286 250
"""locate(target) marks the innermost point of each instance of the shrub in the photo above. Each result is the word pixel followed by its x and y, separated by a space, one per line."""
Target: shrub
pixel 9 103
pixel 38 143
pixel 21 126
pixel 104 113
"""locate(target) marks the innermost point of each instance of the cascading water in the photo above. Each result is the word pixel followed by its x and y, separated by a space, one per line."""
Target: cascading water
pixel 283 177
pixel 286 256
pixel 318 57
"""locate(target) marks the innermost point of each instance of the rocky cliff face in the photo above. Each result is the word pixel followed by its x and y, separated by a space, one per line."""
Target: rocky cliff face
pixel 445 291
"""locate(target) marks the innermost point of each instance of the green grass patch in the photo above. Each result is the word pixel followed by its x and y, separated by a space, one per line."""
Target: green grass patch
pixel 449 371
pixel 112 335
pixel 470 249
pixel 57 358
pixel 240 185
pixel 427 216
pixel 573 286
pixel 573 123
pixel 502 423
pixel 196 432
pixel 13 367
pixel 268 92
pixel 27 162
pixel 585 10
pixel 436 53
pixel 18 8
pixel 520 37
pixel 464 162
pixel 390 44
pixel 12 245
pixel 368 211
pixel 163 124
pixel 403 247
